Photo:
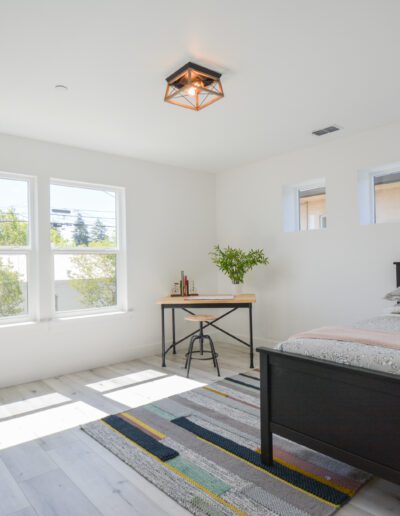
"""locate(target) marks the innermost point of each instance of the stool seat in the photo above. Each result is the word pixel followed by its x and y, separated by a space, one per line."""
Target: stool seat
pixel 200 318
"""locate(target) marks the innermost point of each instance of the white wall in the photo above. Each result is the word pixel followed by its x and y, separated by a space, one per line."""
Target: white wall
pixel 326 277
pixel 170 226
pixel 334 276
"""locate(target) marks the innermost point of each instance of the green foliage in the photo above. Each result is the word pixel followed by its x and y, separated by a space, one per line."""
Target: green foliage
pixel 104 244
pixel 81 237
pixel 94 277
pixel 56 239
pixel 12 231
pixel 98 233
pixel 11 296
pixel 81 232
pixel 235 262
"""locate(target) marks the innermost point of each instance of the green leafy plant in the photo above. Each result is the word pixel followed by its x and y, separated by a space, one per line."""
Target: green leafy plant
pixel 235 262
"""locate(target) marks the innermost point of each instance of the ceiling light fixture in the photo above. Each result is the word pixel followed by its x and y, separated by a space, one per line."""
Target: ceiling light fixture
pixel 194 87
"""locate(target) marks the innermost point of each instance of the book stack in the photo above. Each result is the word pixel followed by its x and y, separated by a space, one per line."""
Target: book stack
pixel 184 284
pixel 186 287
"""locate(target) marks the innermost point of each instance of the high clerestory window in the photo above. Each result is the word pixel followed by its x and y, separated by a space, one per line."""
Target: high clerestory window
pixel 305 206
pixel 312 208
pixel 387 197
pixel 379 194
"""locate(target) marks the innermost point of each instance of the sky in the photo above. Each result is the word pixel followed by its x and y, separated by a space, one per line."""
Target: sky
pixel 14 194
pixel 92 204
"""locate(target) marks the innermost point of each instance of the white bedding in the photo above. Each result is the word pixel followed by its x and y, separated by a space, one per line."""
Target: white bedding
pixel 350 353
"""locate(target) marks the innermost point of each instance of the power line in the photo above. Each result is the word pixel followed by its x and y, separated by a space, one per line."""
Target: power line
pixel 73 224
pixel 81 210
pixel 7 221
pixel 61 215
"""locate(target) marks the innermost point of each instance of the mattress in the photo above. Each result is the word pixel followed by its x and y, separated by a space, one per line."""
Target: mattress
pixel 350 353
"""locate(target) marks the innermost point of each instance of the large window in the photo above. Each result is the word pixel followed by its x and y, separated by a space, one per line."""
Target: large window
pixel 387 197
pixel 85 232
pixel 16 248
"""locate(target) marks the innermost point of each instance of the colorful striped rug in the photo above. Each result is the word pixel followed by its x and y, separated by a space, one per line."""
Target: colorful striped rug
pixel 201 448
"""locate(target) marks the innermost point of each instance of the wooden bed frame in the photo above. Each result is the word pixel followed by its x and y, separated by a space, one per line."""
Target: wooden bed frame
pixel 349 413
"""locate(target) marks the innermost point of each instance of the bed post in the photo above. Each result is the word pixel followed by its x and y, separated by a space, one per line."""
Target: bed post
pixel 265 406
pixel 397 273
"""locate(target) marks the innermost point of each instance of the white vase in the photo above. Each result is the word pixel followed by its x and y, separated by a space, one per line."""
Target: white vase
pixel 237 288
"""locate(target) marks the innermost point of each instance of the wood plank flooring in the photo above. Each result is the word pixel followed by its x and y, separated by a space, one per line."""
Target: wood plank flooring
pixel 49 467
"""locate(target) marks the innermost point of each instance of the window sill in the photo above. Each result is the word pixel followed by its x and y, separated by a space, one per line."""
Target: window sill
pixel 306 231
pixel 384 222
pixel 16 324
pixel 75 316
pixel 65 318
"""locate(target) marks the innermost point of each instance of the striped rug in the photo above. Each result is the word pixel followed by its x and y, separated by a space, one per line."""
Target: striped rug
pixel 201 448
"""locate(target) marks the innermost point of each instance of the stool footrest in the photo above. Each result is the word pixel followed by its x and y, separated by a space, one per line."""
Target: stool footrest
pixel 204 352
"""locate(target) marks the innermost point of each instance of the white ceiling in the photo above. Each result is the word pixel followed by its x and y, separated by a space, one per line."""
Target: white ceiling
pixel 288 66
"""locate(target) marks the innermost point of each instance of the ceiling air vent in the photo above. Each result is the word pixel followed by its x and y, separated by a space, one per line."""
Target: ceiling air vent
pixel 326 130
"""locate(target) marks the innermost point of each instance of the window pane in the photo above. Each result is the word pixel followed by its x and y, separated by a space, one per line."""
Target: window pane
pixel 13 285
pixel 82 217
pixel 85 281
pixel 312 210
pixel 13 212
pixel 387 198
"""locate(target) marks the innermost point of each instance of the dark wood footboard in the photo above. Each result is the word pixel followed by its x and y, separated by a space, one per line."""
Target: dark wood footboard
pixel 348 413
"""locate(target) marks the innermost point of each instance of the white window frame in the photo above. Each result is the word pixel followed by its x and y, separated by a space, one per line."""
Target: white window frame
pixel 291 204
pixel 30 251
pixel 119 251
pixel 366 192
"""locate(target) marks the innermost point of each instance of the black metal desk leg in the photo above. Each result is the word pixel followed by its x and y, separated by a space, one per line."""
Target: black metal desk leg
pixel 173 331
pixel 163 335
pixel 251 336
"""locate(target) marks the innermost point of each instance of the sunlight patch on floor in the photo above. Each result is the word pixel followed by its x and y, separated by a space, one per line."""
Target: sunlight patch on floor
pixel 125 380
pixel 35 403
pixel 46 422
pixel 152 391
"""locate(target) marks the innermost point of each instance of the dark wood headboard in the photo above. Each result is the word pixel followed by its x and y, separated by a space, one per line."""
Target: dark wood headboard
pixel 397 273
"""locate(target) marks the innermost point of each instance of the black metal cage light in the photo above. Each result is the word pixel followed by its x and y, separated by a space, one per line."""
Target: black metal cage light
pixel 194 87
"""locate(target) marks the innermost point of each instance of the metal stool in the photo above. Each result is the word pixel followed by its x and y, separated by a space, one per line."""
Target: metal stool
pixel 200 336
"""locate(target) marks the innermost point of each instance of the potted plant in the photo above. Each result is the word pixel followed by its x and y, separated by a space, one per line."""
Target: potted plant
pixel 235 263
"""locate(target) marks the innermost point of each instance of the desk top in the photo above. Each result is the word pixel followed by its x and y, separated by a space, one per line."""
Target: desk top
pixel 179 300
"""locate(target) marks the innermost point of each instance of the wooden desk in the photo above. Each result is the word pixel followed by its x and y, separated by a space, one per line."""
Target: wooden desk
pixel 173 303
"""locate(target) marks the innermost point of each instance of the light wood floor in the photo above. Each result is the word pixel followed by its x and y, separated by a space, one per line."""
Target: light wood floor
pixel 48 466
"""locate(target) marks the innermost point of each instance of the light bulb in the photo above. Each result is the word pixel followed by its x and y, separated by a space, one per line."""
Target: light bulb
pixel 191 91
